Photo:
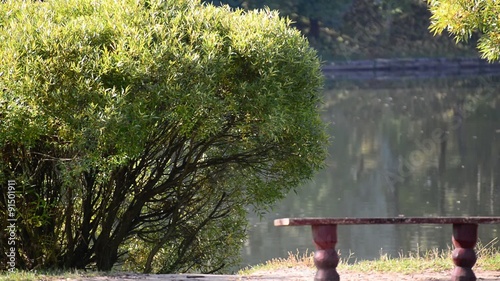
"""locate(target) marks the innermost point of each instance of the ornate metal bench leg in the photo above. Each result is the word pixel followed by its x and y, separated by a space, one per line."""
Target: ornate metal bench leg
pixel 325 256
pixel 464 239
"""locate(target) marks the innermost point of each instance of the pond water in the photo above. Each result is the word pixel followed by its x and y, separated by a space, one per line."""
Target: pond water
pixel 412 147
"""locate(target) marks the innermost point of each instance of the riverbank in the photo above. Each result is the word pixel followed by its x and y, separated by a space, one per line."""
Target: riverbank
pixel 414 68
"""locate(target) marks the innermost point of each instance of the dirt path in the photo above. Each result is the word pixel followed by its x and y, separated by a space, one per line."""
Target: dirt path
pixel 307 274
pixel 293 274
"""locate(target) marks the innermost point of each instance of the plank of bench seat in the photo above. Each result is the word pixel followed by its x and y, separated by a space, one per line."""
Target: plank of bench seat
pixel 380 220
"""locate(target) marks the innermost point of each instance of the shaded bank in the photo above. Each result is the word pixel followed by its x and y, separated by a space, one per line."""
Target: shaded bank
pixel 416 68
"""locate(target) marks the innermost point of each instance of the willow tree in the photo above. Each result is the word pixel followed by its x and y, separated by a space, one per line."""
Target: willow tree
pixel 463 18
pixel 139 131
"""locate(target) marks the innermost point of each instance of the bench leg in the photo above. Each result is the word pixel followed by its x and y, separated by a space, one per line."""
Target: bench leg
pixel 325 256
pixel 464 239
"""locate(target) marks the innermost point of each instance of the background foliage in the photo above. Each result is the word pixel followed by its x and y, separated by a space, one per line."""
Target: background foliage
pixel 365 29
pixel 138 132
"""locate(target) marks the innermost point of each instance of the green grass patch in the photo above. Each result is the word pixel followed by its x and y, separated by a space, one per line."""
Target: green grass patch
pixel 489 255
pixel 433 260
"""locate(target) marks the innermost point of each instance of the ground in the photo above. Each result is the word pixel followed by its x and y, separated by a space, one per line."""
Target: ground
pixel 303 274
pixel 294 274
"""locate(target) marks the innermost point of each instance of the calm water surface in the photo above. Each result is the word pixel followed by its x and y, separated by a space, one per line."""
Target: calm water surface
pixel 424 147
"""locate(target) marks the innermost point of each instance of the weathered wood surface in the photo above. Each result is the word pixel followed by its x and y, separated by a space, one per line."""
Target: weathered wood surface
pixel 393 220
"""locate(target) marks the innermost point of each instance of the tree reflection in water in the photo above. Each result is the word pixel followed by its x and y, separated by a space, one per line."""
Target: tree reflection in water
pixel 422 147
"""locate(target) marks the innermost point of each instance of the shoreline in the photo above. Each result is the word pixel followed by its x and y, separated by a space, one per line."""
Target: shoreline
pixel 402 67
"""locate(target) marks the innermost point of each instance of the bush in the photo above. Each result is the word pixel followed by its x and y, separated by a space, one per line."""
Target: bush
pixel 138 131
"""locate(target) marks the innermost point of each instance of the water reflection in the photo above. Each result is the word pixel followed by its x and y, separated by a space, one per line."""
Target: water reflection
pixel 407 147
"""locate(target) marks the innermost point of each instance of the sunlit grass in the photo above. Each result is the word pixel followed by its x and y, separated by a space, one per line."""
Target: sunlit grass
pixel 293 260
pixel 489 255
pixel 47 275
pixel 434 260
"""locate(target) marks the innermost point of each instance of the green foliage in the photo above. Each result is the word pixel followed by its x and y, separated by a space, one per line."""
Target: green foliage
pixel 139 132
pixel 464 18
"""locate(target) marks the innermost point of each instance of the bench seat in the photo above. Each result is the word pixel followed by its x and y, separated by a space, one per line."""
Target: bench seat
pixel 394 220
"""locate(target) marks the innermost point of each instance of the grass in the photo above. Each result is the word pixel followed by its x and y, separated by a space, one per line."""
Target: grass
pixel 47 275
pixel 430 261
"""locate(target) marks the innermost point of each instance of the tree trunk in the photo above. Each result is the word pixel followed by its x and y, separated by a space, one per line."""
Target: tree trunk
pixel 106 257
pixel 313 28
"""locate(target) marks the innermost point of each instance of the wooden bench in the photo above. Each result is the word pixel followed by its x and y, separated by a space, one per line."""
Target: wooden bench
pixel 324 231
